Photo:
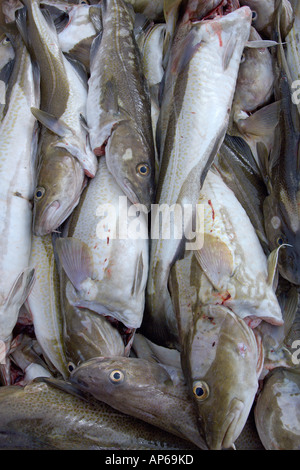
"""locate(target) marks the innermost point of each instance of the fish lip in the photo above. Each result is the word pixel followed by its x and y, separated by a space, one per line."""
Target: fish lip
pixel 233 416
pixel 45 224
pixel 227 434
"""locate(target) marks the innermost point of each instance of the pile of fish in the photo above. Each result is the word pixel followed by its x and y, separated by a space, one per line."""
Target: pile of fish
pixel 150 224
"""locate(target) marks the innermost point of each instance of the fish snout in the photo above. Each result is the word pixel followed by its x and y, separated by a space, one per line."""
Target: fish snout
pixel 224 434
pixel 46 221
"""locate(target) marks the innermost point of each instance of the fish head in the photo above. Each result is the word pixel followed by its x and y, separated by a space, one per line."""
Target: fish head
pixel 119 380
pixel 220 359
pixel 283 230
pixel 61 180
pixel 264 15
pixel 131 160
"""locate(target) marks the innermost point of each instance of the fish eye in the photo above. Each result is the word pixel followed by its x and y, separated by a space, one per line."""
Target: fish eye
pixel 71 366
pixel 279 241
pixel 39 193
pixel 6 40
pixel 143 169
pixel 200 390
pixel 254 15
pixel 116 376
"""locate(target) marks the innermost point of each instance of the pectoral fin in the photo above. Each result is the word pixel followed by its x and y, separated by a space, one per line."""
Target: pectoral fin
pixel 272 266
pixel 76 260
pixel 57 126
pixel 262 122
pixel 20 289
pixel 215 259
pixel 228 51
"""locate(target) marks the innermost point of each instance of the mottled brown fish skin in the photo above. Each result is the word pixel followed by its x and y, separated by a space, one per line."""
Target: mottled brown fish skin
pixel 41 416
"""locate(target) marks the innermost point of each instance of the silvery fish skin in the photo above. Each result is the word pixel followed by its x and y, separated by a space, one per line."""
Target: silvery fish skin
pixel 264 13
pixel 277 416
pixel 189 135
pixel 43 416
pixel 106 264
pixel 64 153
pixel 255 80
pixel 18 180
pixel 162 399
pixel 152 54
pixel 281 207
pixel 44 305
pixel 245 286
pixel 118 105
pixel 221 357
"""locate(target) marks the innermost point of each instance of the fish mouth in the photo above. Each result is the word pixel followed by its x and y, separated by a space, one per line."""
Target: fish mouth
pixel 46 223
pixel 130 193
pixel 134 198
pixel 231 427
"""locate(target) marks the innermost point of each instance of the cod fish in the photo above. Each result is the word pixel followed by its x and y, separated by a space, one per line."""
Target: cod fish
pixel 104 256
pixel 220 354
pixel 145 349
pixel 245 286
pixel 18 139
pixel 146 390
pixel 277 410
pixel 43 303
pixel 192 125
pixel 53 415
pixel 118 104
pixel 65 157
